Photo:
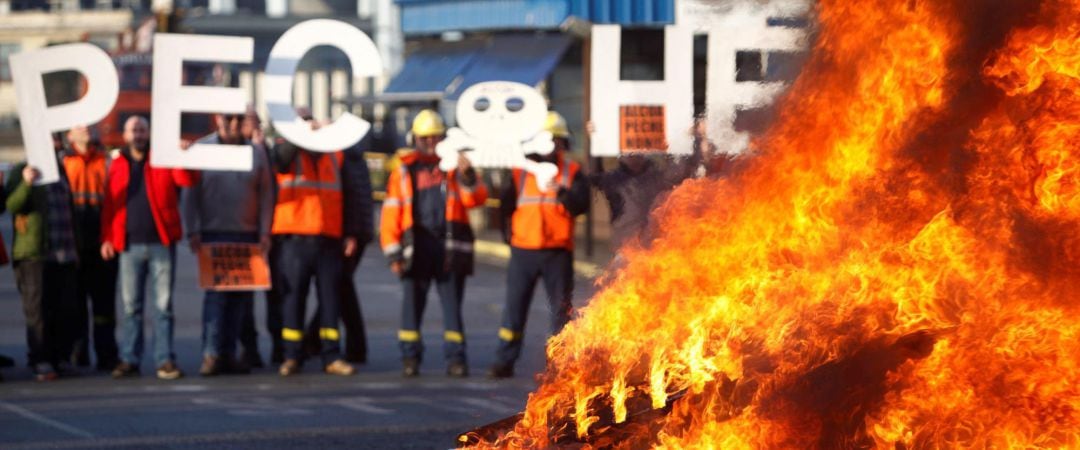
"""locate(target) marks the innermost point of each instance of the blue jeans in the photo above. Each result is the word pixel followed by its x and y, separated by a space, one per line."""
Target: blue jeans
pixel 145 266
pixel 224 312
pixel 223 316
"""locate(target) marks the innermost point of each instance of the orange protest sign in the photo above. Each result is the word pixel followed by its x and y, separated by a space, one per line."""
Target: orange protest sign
pixel 233 267
pixel 642 129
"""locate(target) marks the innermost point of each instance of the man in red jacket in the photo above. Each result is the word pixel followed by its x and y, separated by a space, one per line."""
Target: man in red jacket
pixel 140 223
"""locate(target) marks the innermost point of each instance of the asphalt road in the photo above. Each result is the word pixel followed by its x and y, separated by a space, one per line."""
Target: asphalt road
pixel 375 409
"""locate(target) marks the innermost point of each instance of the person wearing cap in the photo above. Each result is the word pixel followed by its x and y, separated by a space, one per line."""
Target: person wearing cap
pixel 541 236
pixel 426 235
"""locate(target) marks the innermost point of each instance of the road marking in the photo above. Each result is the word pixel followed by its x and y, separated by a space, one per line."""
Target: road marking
pixel 255 406
pixel 363 404
pixel 488 404
pixel 27 414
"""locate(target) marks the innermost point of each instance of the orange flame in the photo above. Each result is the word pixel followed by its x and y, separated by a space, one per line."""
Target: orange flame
pixel 896 266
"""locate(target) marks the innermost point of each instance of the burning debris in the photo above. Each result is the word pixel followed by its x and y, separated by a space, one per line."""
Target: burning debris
pixel 897 266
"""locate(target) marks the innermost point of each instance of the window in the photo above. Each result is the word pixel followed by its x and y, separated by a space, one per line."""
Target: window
pixel 641 54
pixel 6 50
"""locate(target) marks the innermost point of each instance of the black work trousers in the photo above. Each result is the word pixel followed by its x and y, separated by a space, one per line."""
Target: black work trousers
pixel 451 287
pixel 95 303
pixel 526 268
pixel 49 304
pixel 301 260
pixel 352 318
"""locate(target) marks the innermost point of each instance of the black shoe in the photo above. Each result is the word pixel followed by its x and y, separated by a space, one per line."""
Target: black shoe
pixel 410 367
pixel 252 359
pixel 457 369
pixel 107 365
pixel 501 371
pixel 233 366
pixel 124 370
pixel 80 359
pixel 66 369
pixel 6 361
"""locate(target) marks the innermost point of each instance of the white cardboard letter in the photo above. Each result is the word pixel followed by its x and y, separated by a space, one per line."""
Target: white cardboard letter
pixel 733 27
pixel 281 67
pixel 675 93
pixel 171 98
pixel 37 120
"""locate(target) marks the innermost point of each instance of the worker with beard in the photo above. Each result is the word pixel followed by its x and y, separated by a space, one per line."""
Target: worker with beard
pixel 140 224
pixel 541 236
pixel 426 235
pixel 228 207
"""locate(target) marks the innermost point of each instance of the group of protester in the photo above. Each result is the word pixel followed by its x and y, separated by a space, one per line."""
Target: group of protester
pixel 114 220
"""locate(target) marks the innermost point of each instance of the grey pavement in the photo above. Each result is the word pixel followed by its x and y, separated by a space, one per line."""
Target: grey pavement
pixel 375 409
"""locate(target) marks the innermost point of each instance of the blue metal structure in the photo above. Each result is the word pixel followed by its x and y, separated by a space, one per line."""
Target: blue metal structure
pixel 444 71
pixel 526 59
pixel 437 16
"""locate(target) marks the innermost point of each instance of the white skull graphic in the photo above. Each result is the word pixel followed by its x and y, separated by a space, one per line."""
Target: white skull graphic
pixel 500 122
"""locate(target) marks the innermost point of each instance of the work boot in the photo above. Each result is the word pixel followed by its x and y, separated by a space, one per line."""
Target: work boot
pixel 499 370
pixel 211 366
pixel 233 366
pixel 124 370
pixel 169 371
pixel 65 369
pixel 410 367
pixel 252 359
pixel 289 368
pixel 457 369
pixel 340 367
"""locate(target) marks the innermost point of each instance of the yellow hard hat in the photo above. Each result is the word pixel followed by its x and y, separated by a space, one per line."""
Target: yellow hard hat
pixel 556 125
pixel 428 123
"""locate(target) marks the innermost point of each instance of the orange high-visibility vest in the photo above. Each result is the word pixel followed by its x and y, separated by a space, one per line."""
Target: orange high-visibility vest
pixel 86 175
pixel 397 214
pixel 309 199
pixel 540 220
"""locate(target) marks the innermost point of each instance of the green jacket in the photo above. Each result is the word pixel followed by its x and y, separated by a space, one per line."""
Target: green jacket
pixel 28 206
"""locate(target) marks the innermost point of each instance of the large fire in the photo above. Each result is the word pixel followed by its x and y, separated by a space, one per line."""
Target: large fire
pixel 897 266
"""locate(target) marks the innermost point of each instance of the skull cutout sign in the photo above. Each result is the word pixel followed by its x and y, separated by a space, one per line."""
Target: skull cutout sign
pixel 499 123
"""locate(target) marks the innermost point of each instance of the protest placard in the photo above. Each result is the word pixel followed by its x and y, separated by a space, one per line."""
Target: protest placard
pixel 233 267
pixel 642 129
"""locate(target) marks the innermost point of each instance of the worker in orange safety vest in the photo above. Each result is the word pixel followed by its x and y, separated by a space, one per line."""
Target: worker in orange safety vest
pixel 426 235
pixel 541 224
pixel 85 164
pixel 316 226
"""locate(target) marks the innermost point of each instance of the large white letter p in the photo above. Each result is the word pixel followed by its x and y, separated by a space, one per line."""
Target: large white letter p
pixel 38 120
